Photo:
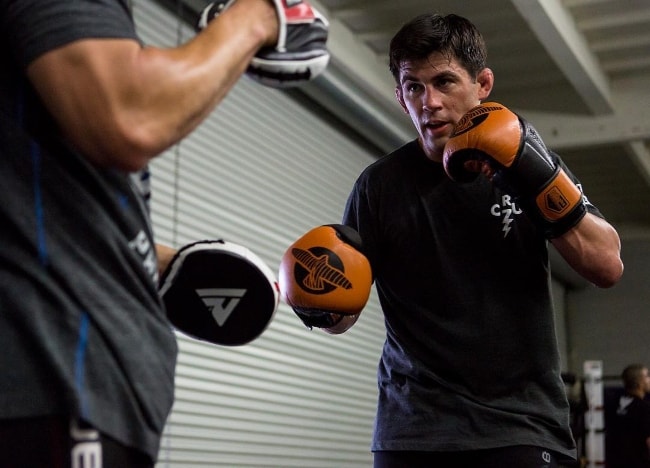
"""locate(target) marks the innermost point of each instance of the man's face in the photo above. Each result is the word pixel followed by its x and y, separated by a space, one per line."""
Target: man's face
pixel 645 380
pixel 436 92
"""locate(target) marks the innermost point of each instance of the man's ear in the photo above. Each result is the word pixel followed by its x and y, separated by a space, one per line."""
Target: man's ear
pixel 485 80
pixel 400 98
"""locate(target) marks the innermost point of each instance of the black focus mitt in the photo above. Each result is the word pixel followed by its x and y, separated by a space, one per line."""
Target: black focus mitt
pixel 300 54
pixel 219 292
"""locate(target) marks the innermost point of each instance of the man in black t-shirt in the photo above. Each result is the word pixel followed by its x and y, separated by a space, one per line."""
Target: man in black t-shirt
pixel 627 429
pixel 456 226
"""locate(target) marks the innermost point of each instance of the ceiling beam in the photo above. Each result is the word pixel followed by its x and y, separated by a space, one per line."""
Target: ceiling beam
pixel 630 122
pixel 558 33
pixel 569 132
pixel 640 155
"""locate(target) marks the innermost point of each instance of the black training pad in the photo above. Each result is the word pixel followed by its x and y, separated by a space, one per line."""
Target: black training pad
pixel 221 298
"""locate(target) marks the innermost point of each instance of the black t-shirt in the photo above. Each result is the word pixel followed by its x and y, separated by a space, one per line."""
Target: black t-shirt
pixel 82 327
pixel 626 432
pixel 470 359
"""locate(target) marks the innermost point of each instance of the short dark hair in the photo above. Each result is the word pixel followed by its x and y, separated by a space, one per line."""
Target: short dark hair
pixel 451 35
pixel 632 376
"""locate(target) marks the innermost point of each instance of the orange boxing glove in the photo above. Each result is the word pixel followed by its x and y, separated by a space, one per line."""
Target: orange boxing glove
pixel 522 165
pixel 324 275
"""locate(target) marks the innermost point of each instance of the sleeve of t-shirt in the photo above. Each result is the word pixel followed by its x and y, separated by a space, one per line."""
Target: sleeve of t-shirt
pixel 357 215
pixel 591 208
pixel 34 27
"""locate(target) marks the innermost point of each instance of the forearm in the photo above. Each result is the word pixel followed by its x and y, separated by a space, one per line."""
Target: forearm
pixel 121 104
pixel 592 248
pixel 165 255
pixel 181 86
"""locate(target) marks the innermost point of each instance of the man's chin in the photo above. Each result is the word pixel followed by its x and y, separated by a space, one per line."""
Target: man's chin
pixel 433 149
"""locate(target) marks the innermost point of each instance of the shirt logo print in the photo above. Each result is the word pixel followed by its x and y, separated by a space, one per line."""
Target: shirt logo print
pixel 506 210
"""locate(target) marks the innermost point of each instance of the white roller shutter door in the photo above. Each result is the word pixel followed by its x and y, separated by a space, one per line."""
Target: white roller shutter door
pixel 262 170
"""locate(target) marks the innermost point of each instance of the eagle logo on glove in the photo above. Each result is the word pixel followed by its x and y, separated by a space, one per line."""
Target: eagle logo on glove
pixel 316 274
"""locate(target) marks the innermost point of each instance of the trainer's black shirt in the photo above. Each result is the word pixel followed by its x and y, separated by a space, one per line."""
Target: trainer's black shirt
pixel 82 328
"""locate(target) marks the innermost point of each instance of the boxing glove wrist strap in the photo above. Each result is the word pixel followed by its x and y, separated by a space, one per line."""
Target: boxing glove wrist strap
pixel 318 319
pixel 544 190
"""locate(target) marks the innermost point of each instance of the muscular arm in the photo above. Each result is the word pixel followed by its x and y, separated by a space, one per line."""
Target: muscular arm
pixel 592 249
pixel 121 104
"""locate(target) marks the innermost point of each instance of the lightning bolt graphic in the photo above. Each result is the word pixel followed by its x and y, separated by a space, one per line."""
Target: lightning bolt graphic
pixel 507 221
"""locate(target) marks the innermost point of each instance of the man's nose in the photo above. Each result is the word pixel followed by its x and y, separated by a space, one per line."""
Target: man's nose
pixel 432 99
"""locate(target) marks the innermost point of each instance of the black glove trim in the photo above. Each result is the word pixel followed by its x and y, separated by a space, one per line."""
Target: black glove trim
pixel 318 319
